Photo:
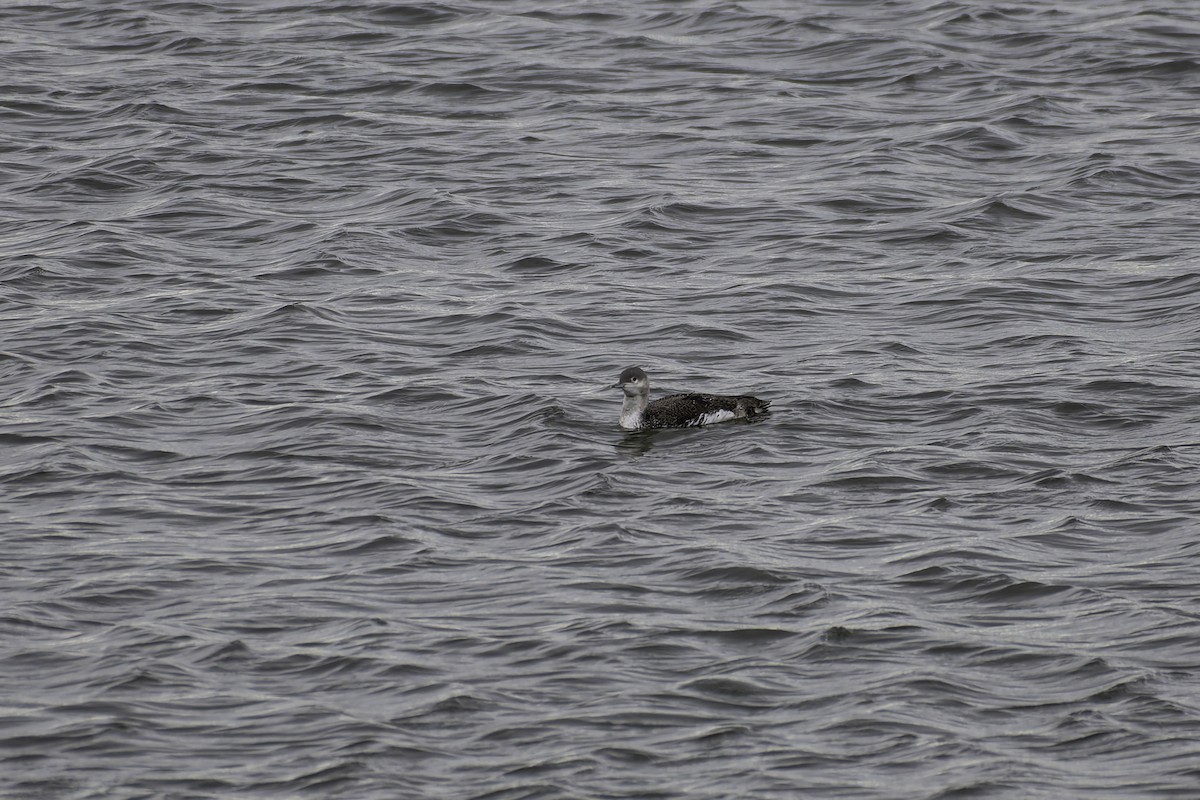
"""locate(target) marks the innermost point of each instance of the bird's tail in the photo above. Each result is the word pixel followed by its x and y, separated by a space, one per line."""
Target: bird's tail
pixel 752 406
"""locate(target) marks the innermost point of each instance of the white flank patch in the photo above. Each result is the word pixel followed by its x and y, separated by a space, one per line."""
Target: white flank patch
pixel 714 416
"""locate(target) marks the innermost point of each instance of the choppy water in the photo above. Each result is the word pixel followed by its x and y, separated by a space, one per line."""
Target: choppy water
pixel 312 486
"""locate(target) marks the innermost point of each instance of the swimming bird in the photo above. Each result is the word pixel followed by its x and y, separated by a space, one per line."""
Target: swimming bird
pixel 679 410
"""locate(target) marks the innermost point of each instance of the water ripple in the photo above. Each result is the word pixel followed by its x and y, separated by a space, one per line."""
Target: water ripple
pixel 313 474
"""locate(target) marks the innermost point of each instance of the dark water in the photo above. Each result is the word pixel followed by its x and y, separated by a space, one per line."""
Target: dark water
pixel 312 486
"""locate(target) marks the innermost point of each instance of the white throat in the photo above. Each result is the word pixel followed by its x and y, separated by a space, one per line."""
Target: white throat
pixel 632 409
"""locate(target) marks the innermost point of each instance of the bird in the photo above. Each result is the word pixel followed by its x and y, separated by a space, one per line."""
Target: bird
pixel 679 410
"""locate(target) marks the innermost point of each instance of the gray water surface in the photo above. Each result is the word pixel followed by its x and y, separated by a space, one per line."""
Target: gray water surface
pixel 312 482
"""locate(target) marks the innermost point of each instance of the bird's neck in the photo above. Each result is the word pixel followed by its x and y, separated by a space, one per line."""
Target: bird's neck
pixel 632 409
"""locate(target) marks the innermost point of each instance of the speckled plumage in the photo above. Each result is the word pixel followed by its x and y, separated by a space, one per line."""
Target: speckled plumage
pixel 679 410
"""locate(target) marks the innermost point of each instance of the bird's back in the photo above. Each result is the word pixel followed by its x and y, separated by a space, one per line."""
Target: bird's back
pixel 689 410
